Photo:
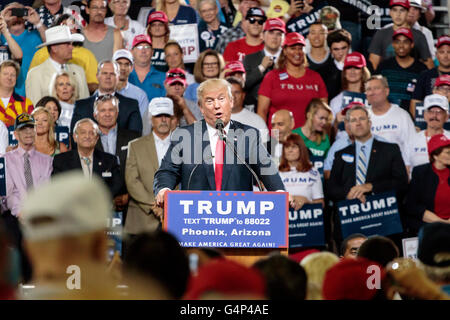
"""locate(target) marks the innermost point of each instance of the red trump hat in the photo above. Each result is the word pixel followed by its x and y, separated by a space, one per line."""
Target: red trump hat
pixel 157 16
pixel 275 24
pixel 176 75
pixel 294 38
pixel 437 141
pixel 442 80
pixel 355 59
pixel 141 38
pixel 351 105
pixel 404 32
pixel 402 3
pixel 443 40
pixel 232 67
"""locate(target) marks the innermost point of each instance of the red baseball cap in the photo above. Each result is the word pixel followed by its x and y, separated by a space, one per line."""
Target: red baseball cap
pixel 404 32
pixel 157 16
pixel 402 3
pixel 351 105
pixel 443 40
pixel 347 280
pixel 232 67
pixel 443 79
pixel 355 59
pixel 275 24
pixel 437 141
pixel 176 75
pixel 140 38
pixel 294 38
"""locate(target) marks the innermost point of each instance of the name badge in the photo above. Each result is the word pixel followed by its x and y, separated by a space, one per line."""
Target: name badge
pixel 284 76
pixel 348 158
pixel 107 174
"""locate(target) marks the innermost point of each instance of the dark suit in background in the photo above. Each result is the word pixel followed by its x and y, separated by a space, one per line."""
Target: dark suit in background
pixel 104 165
pixel 235 175
pixel 129 115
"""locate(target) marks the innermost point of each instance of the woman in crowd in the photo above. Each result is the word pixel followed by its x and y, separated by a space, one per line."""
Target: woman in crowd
pixel 314 132
pixel 176 11
pixel 45 141
pixel 65 90
pixel 209 65
pixel 159 32
pixel 291 85
pixel 173 54
pixel 299 177
pixel 428 197
pixel 52 105
pixel 120 20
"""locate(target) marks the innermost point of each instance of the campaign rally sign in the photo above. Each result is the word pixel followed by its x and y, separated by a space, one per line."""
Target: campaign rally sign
pixel 302 23
pixel 12 141
pixel 227 219
pixel 420 120
pixel 187 36
pixel 318 164
pixel 410 247
pixel 62 135
pixel 114 232
pixel 378 216
pixel 306 226
pixel 349 97
pixel 2 178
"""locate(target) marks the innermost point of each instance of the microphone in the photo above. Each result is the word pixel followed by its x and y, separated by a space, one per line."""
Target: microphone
pixel 220 126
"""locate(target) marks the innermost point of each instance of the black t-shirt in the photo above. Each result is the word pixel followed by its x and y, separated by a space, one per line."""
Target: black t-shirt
pixel 331 75
pixel 425 83
pixel 316 66
pixel 158 60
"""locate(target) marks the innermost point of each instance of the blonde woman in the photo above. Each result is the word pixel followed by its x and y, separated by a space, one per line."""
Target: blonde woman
pixel 318 123
pixel 177 11
pixel 65 89
pixel 45 141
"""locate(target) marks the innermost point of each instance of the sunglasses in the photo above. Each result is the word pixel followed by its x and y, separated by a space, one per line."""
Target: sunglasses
pixel 253 20
pixel 176 75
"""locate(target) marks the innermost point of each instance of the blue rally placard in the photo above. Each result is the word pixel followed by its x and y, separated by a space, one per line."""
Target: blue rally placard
pixel 62 135
pixel 318 161
pixel 227 219
pixel 420 120
pixel 378 216
pixel 2 178
pixel 349 97
pixel 12 141
pixel 306 226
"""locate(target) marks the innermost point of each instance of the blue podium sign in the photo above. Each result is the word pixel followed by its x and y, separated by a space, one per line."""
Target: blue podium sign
pixel 62 135
pixel 306 226
pixel 378 216
pixel 227 219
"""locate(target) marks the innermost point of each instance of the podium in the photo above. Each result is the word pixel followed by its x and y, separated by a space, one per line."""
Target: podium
pixel 244 225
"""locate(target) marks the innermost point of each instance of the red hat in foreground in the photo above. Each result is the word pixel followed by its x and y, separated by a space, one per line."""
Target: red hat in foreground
pixel 157 16
pixel 437 141
pixel 232 67
pixel 442 80
pixel 443 40
pixel 351 105
pixel 141 38
pixel 404 32
pixel 403 3
pixel 275 24
pixel 355 59
pixel 294 38
pixel 176 75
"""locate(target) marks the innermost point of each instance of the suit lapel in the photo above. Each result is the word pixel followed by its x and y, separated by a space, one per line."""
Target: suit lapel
pixel 76 162
pixel 151 151
pixel 97 163
pixel 99 145
pixel 206 147
pixel 372 161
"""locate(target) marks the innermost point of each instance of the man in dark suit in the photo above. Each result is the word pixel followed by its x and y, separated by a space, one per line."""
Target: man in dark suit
pixel 113 140
pixel 367 166
pixel 258 64
pixel 86 158
pixel 200 160
pixel 107 75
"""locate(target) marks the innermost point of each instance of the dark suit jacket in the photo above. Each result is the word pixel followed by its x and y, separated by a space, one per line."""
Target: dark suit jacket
pixel 129 115
pixel 421 194
pixel 386 171
pixel 103 163
pixel 123 137
pixel 193 146
pixel 253 77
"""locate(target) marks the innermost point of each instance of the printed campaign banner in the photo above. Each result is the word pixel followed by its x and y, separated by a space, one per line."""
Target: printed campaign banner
pixel 187 36
pixel 62 135
pixel 378 216
pixel 301 23
pixel 318 164
pixel 420 121
pixel 12 141
pixel 349 97
pixel 227 219
pixel 2 178
pixel 306 226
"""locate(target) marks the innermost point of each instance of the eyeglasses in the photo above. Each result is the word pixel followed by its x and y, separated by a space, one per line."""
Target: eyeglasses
pixel 176 75
pixel 253 20
pixel 142 47
pixel 211 64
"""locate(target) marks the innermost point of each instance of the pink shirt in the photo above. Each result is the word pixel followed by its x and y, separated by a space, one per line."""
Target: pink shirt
pixel 16 188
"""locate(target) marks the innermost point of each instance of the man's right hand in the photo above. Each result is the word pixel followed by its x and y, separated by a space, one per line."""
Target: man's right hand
pixel 267 62
pixel 160 197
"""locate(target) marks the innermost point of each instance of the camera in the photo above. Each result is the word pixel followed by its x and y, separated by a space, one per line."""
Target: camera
pixel 19 12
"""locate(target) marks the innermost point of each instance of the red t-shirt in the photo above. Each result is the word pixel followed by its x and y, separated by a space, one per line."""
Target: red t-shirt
pixel 442 199
pixel 293 94
pixel 236 50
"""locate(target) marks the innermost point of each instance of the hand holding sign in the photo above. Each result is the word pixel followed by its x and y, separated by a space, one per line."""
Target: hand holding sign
pixel 297 202
pixel 357 192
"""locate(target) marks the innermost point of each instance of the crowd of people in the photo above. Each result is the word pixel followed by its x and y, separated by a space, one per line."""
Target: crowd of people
pixel 344 111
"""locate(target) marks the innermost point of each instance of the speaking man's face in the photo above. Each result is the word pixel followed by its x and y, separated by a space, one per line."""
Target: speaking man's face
pixel 216 104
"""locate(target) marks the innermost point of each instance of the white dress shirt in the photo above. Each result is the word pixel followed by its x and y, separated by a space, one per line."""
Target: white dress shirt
pixel 214 136
pixel 161 146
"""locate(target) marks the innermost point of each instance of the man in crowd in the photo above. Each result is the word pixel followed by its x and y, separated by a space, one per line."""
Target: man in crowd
pixel 402 71
pixel 414 14
pixel 380 47
pixel 351 244
pixel 113 140
pixel 235 69
pixel 89 160
pixel 107 75
pixel 388 120
pixel 101 39
pixel 59 44
pixel 442 86
pixel 319 54
pixel 124 59
pixel 144 159
pixel 282 126
pixel 436 115
pixel 252 42
pixel 427 78
pixel 259 63
pixel 15 33
pixel 240 30
pixel 11 104
pixel 144 75
pixel 210 28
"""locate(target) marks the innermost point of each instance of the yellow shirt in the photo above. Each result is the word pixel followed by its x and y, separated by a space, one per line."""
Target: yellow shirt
pixel 80 56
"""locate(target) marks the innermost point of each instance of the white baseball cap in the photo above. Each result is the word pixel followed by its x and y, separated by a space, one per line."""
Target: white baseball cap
pixel 436 100
pixel 69 204
pixel 123 53
pixel 161 106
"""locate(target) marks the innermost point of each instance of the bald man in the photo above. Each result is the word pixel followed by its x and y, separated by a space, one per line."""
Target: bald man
pixel 282 126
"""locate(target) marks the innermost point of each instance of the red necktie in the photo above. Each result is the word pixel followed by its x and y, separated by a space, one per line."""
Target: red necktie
pixel 218 162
